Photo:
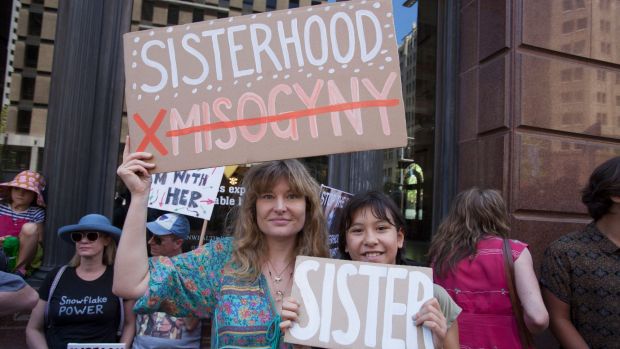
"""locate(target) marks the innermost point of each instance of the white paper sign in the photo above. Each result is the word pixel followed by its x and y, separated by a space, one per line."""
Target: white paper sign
pixel 191 193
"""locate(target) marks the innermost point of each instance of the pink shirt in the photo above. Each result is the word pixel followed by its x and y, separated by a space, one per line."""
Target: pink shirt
pixel 11 222
pixel 478 285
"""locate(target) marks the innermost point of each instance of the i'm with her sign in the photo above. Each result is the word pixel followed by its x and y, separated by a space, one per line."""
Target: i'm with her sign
pixel 302 82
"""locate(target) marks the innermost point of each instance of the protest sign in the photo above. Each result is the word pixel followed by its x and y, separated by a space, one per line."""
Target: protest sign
pixel 332 201
pixel 346 304
pixel 191 193
pixel 308 81
pixel 96 346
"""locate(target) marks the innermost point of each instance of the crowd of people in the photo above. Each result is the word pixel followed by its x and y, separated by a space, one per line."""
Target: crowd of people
pixel 486 293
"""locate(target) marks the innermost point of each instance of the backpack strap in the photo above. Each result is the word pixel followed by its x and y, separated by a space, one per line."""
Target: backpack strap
pixel 50 293
pixel 119 332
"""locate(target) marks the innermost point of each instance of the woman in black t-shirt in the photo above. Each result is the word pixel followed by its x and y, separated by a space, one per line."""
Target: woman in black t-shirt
pixel 76 303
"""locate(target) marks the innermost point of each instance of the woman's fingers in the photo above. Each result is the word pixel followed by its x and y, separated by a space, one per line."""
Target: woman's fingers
pixel 290 303
pixel 431 317
pixel 141 155
pixel 286 324
pixel 126 148
pixel 423 317
pixel 289 313
pixel 135 162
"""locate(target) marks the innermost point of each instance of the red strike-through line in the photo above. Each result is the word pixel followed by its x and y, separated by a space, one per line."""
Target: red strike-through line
pixel 284 116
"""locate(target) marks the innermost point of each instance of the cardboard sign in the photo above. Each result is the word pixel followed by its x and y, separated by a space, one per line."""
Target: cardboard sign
pixel 293 83
pixel 347 304
pixel 332 201
pixel 190 193
pixel 96 346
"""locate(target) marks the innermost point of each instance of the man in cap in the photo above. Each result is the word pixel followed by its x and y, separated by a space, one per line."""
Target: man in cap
pixel 160 330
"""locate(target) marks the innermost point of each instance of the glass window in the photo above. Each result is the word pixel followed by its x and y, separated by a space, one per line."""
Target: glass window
pixel 27 88
pixel 410 182
pixel 567 5
pixel 271 4
pixel 23 121
pixel 582 23
pixel 173 15
pixel 14 159
pixel 31 57
pixel 147 11
pixel 578 73
pixel 567 26
pixel 34 23
pixel 198 15
pixel 579 46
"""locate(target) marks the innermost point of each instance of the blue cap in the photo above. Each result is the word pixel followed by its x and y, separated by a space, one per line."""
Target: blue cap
pixel 170 223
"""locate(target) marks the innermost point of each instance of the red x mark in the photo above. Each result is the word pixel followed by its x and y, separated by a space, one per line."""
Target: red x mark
pixel 149 132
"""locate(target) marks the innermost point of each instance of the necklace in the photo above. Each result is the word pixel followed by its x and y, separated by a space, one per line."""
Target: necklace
pixel 277 279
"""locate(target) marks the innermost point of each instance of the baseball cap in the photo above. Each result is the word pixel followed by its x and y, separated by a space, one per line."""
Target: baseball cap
pixel 170 223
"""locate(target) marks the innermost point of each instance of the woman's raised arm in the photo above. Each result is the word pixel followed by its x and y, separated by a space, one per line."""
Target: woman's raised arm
pixel 131 275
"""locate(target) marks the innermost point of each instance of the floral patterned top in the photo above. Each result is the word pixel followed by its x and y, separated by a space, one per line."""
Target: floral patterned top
pixel 199 284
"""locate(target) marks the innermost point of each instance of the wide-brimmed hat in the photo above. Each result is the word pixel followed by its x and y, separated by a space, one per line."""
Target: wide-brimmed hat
pixel 29 180
pixel 90 222
pixel 170 223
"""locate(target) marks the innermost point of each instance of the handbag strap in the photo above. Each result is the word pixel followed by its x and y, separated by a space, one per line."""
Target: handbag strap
pixel 50 293
pixel 524 334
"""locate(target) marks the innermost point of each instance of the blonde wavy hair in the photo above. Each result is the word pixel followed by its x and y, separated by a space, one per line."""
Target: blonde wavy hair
pixel 109 252
pixel 250 247
pixel 474 214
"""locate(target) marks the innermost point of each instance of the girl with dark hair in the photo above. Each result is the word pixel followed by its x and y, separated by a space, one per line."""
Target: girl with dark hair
pixel 372 229
pixel 468 261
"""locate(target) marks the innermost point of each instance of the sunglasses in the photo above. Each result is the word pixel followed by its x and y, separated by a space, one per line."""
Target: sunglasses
pixel 158 239
pixel 90 235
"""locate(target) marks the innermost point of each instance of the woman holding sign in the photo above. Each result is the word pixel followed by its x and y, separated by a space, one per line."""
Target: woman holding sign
pixel 238 282
pixel 372 230
pixel 467 253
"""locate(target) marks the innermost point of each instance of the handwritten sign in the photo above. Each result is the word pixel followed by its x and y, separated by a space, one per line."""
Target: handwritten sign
pixel 191 193
pixel 347 304
pixel 96 346
pixel 332 201
pixel 308 81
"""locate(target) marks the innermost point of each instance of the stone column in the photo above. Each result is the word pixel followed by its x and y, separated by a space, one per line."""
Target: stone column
pixel 84 118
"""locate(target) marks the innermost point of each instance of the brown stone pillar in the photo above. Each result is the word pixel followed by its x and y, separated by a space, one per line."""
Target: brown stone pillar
pixel 539 107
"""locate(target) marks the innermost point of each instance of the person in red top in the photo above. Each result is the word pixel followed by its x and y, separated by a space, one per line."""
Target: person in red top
pixel 22 215
pixel 468 262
